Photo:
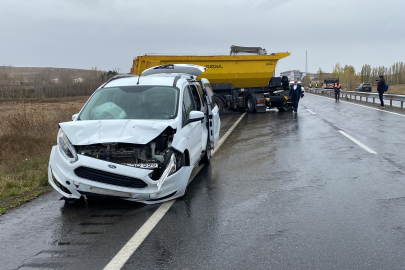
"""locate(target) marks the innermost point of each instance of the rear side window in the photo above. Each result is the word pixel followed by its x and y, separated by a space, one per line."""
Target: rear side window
pixel 196 97
pixel 188 104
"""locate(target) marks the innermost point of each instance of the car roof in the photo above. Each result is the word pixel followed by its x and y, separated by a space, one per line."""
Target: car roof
pixel 147 80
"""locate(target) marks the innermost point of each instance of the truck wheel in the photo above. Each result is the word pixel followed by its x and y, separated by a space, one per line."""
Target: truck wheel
pixel 217 101
pixel 250 104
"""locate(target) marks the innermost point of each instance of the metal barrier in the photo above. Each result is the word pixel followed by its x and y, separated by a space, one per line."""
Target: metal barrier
pixel 367 95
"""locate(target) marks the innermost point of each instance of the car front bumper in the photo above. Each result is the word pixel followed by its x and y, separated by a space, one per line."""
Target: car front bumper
pixel 62 177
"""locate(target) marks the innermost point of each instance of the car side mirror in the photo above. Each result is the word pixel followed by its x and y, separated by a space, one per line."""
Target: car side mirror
pixel 74 117
pixel 195 116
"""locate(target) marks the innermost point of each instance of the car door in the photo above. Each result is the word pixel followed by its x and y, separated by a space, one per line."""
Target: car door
pixel 192 130
pixel 214 122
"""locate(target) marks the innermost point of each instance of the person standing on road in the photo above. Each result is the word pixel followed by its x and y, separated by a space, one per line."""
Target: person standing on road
pixel 381 89
pixel 295 94
pixel 310 85
pixel 337 88
pixel 316 85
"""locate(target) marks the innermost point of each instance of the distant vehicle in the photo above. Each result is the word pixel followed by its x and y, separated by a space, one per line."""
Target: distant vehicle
pixel 329 83
pixel 364 87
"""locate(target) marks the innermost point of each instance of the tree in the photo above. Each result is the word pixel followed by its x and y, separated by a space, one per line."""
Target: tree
pixel 365 74
pixel 107 75
pixel 321 75
pixel 337 71
pixel 306 81
pixel 349 78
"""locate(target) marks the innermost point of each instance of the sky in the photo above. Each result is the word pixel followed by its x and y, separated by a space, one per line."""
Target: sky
pixel 108 34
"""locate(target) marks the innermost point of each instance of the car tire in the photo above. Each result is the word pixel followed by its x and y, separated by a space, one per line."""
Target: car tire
pixel 217 101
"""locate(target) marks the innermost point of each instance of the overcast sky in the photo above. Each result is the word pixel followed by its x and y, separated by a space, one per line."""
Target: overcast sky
pixel 108 34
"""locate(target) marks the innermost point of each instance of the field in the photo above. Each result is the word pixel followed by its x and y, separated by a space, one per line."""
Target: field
pixel 27 133
pixel 29 73
pixel 394 89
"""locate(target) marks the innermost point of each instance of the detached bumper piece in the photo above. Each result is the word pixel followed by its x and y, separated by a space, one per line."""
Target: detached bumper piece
pixel 109 178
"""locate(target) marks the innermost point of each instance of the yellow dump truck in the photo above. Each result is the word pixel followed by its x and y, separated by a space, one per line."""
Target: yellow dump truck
pixel 238 81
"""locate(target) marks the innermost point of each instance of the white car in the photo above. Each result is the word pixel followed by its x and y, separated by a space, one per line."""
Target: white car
pixel 137 138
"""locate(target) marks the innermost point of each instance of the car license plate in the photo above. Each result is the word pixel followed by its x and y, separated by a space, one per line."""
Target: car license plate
pixel 143 165
pixel 109 192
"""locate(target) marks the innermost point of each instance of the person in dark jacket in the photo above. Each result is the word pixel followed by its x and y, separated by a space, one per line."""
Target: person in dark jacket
pixel 337 89
pixel 295 94
pixel 381 89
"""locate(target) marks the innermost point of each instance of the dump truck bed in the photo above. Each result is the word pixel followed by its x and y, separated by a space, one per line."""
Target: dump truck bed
pixel 242 71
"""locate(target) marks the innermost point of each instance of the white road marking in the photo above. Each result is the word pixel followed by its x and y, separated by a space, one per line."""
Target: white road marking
pixel 129 248
pixel 132 245
pixel 311 111
pixel 381 110
pixel 358 143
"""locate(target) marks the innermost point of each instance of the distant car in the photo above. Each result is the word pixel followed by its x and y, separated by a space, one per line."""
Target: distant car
pixel 364 87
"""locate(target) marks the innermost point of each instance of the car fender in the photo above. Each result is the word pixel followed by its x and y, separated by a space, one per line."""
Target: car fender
pixel 180 144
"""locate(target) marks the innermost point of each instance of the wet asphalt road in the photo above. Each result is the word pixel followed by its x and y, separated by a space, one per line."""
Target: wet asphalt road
pixel 285 191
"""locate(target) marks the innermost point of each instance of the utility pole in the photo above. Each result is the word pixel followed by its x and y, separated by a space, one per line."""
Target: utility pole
pixel 306 62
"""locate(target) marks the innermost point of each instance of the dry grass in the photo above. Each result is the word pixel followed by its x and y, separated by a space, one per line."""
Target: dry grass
pixel 394 89
pixel 27 135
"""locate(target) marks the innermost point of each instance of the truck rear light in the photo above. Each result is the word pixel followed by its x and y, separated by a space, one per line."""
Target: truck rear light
pixel 260 101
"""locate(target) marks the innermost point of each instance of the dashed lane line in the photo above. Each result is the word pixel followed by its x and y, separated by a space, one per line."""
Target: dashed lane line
pixel 363 106
pixel 310 111
pixel 371 151
pixel 132 245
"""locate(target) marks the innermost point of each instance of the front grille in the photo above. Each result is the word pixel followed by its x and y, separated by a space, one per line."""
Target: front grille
pixel 109 178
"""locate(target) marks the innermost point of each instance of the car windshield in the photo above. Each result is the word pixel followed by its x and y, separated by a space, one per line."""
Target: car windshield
pixel 132 102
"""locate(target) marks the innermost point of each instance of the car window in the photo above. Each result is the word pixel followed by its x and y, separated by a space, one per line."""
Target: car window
pixel 132 102
pixel 196 97
pixel 188 104
pixel 200 91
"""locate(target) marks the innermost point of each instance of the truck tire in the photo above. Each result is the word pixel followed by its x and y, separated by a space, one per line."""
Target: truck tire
pixel 250 104
pixel 217 101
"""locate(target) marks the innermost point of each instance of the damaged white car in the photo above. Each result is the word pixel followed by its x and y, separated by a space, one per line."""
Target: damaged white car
pixel 137 138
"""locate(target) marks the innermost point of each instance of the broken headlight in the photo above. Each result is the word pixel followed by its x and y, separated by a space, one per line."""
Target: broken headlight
pixel 66 147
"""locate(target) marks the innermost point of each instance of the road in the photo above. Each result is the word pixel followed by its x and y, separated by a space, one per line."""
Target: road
pixel 321 189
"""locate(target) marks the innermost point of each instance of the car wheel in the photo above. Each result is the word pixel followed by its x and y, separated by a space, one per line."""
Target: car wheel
pixel 217 101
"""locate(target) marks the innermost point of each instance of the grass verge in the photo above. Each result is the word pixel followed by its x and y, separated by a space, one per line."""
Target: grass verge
pixel 27 135
pixel 22 183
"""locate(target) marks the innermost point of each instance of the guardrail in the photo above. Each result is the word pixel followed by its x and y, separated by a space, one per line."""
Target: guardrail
pixel 367 95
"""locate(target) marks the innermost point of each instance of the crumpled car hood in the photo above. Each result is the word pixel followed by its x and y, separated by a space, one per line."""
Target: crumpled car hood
pixel 111 131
